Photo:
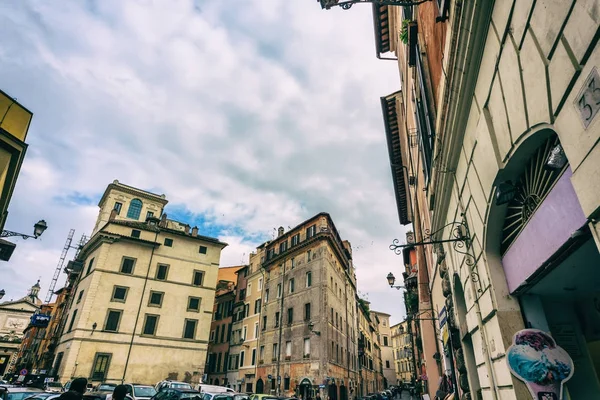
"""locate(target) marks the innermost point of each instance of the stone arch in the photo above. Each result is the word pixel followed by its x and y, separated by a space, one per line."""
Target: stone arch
pixel 260 386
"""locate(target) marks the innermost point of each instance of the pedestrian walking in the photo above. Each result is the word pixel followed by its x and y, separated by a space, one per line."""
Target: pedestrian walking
pixel 120 392
pixel 76 390
pixel 318 397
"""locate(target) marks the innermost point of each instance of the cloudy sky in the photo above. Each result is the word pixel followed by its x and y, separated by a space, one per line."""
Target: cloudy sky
pixel 247 114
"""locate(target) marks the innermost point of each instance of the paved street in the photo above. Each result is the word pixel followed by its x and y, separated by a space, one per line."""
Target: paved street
pixel 405 396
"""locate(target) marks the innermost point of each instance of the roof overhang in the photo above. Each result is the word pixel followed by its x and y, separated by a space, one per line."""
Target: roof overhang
pixel 382 29
pixel 399 175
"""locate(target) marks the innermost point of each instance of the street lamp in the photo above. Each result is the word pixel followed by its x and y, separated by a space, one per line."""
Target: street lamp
pixel 391 279
pixel 327 4
pixel 38 229
pixel 311 329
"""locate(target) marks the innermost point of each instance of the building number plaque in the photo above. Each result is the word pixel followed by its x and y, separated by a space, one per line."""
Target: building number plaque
pixel 587 101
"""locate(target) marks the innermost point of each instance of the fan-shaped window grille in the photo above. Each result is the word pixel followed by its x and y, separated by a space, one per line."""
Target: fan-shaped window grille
pixel 532 187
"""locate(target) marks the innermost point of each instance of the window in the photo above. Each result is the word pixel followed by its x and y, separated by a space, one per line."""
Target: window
pixel 193 304
pixel 276 319
pixel 256 330
pixel 162 271
pixel 242 354
pixel 261 353
pixel 288 349
pixel 149 214
pixel 387 363
pixel 307 312
pixel 229 332
pixel 293 261
pixel 306 347
pixel 118 207
pixel 199 278
pixel 135 233
pixel 90 264
pixel 275 354
pixel 424 123
pixel 278 290
pixel 127 265
pixel 266 295
pixel 223 334
pixel 291 286
pixel 308 256
pixel 112 320
pixel 150 324
pixel 295 239
pixel 264 325
pixel 331 315
pixel 282 247
pixel 203 249
pixel 385 341
pixel 189 328
pixel 257 304
pixel 100 368
pixel 308 279
pixel 80 296
pixel 253 357
pixel 246 310
pixel 244 332
pixel 212 336
pixel 249 289
pixel 135 208
pixel 72 321
pixel 290 316
pixel 119 294
pixel 260 284
pixel 310 231
pixel 156 299
pixel 168 242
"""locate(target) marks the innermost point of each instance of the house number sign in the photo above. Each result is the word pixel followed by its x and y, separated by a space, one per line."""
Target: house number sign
pixel 587 101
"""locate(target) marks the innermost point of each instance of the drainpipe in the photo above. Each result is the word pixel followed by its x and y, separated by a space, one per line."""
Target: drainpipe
pixel 137 317
pixel 280 329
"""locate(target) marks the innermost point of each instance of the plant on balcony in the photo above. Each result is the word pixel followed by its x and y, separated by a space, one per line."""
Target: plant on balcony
pixel 260 362
pixel 404 31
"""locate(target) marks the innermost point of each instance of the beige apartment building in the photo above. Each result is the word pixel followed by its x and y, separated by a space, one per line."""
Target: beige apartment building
pixel 143 301
pixel 387 350
pixel 403 353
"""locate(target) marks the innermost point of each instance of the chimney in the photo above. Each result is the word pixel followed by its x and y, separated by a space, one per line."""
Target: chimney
pixel 186 229
pixel 163 221
pixel 280 231
pixel 195 231
pixel 113 215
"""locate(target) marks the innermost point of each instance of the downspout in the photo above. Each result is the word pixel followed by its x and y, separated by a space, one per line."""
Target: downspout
pixel 137 317
pixel 280 322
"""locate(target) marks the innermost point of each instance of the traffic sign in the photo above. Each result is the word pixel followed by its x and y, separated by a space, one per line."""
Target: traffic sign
pixel 23 372
pixel 270 376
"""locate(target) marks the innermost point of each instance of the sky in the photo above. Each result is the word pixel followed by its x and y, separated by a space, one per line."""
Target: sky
pixel 247 114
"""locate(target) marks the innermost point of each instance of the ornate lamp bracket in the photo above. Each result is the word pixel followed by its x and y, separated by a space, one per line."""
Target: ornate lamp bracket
pixel 11 233
pixel 346 5
pixel 459 237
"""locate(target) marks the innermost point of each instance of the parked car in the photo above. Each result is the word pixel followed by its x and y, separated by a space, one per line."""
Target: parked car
pixel 106 387
pixel 44 396
pixel 140 392
pixel 173 385
pixel 53 387
pixel 177 394
pixel 17 392
pixel 263 397
pixel 204 388
pixel 97 395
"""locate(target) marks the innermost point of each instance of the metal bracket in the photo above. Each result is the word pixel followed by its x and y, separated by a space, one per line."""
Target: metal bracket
pixel 346 5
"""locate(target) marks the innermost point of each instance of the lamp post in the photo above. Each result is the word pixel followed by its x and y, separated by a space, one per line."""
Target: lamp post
pixel 345 5
pixel 38 229
pixel 391 279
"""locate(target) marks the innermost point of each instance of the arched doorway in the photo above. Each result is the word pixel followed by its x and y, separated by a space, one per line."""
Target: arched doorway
pixel 260 386
pixel 304 388
pixel 343 392
pixel 333 394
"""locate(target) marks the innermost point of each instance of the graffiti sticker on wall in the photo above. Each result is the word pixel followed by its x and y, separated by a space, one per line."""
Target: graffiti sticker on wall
pixel 535 358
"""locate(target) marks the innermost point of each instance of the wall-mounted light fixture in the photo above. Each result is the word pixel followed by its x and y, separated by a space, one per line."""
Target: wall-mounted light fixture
pixel 391 279
pixel 505 192
pixel 557 159
pixel 327 4
pixel 311 327
pixel 38 229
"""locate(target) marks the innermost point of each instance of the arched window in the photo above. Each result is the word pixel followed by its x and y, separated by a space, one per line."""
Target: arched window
pixel 135 208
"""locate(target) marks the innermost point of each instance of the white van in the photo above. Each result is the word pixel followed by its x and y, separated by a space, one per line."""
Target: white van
pixel 204 388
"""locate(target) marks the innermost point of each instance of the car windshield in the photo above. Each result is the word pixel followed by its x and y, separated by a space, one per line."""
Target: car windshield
pixel 19 395
pixel 144 391
pixel 107 386
pixel 182 386
pixel 241 397
pixel 192 395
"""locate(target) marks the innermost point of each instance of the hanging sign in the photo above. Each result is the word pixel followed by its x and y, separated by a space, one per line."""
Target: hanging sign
pixel 536 359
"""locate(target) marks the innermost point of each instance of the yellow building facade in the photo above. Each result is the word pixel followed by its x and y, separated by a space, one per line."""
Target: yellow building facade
pixel 143 302
pixel 14 125
pixel 403 359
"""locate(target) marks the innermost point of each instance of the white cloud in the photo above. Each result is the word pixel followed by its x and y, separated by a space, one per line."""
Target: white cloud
pixel 254 113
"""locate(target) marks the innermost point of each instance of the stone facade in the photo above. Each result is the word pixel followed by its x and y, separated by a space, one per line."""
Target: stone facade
pixel 403 351
pixel 518 95
pixel 143 301
pixel 387 349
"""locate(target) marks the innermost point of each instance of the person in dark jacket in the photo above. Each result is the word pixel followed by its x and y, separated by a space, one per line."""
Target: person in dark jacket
pixel 119 393
pixel 76 390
